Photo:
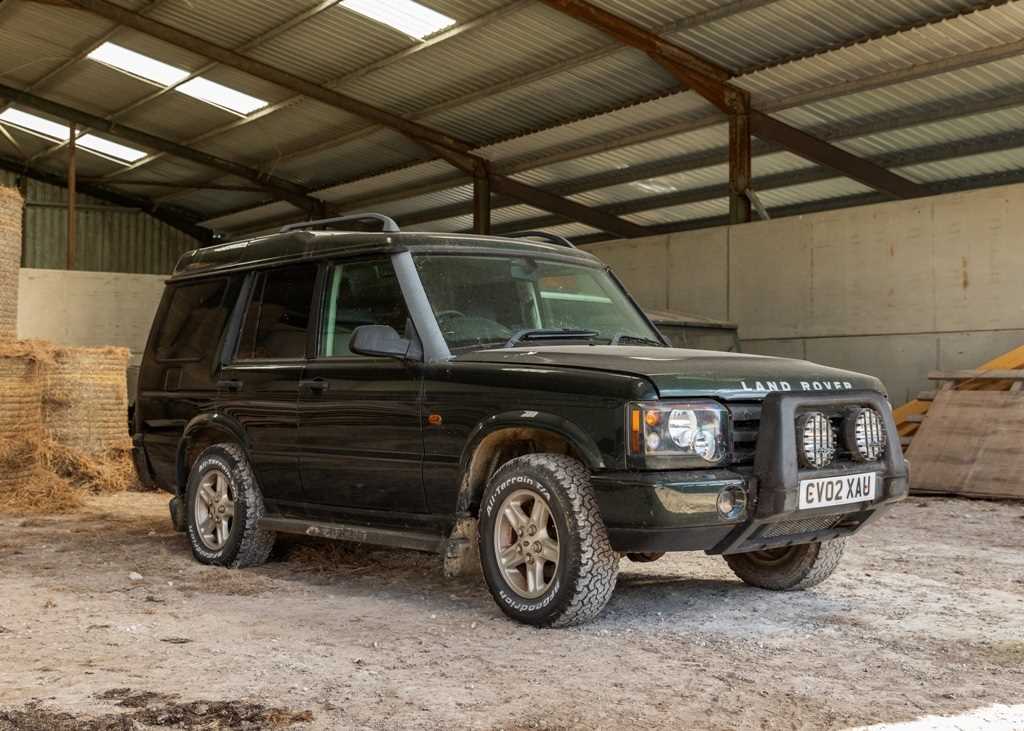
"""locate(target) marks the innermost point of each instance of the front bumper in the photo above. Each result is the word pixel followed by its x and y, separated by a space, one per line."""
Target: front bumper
pixel 677 511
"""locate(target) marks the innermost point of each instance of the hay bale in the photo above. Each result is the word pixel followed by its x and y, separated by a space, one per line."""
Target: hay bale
pixel 10 261
pixel 20 401
pixel 85 416
pixel 85 399
pixel 25 483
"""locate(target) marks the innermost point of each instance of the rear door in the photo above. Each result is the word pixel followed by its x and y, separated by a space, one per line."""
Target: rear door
pixel 177 380
pixel 360 432
pixel 259 388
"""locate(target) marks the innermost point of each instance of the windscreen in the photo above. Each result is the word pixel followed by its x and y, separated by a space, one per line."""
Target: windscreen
pixel 489 300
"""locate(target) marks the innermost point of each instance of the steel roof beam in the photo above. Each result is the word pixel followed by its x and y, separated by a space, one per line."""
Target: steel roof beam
pixel 278 187
pixel 697 20
pixel 920 156
pixel 170 216
pixel 710 158
pixel 81 53
pixel 454 151
pixel 692 21
pixel 953 185
pixel 911 73
pixel 160 92
pixel 711 81
pixel 358 73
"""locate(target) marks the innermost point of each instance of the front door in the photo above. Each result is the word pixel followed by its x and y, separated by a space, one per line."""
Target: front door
pixel 259 388
pixel 362 448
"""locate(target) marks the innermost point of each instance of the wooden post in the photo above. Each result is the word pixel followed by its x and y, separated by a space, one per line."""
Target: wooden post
pixel 739 166
pixel 481 200
pixel 70 264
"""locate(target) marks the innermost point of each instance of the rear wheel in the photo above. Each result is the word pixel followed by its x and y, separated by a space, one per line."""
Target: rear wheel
pixel 788 569
pixel 224 506
pixel 543 546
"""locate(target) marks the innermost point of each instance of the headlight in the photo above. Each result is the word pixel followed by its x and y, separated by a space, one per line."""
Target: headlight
pixel 691 434
pixel 865 435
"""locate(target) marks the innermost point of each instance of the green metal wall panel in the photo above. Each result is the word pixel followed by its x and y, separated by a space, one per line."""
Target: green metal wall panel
pixel 110 238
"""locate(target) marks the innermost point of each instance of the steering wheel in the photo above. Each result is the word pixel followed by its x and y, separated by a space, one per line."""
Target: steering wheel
pixel 445 314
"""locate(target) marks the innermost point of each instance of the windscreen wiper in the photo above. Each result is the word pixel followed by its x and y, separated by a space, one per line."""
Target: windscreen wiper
pixel 542 334
pixel 626 337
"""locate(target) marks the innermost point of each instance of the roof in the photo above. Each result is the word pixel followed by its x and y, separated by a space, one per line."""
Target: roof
pixel 928 89
pixel 303 245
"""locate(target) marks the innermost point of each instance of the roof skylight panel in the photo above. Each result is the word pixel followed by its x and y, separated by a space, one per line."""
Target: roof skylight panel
pixel 148 68
pixel 137 64
pixel 409 17
pixel 221 96
pixel 108 148
pixel 36 125
pixel 57 132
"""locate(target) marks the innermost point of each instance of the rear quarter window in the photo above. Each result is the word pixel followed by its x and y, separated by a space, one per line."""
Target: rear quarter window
pixel 194 321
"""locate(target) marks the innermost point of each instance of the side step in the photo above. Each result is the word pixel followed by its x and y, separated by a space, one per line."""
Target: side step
pixel 428 542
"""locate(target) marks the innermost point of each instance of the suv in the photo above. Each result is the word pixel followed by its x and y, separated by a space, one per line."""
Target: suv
pixel 499 400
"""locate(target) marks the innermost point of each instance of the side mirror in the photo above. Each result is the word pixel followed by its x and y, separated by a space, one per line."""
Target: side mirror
pixel 383 341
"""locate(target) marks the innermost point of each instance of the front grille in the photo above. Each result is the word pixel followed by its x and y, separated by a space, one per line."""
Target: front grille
pixel 796 527
pixel 746 421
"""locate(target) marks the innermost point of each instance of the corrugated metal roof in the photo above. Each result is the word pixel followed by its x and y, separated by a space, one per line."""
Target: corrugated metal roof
pixel 798 25
pixel 550 100
pixel 229 24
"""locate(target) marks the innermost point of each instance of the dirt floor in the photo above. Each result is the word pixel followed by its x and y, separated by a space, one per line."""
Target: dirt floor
pixel 107 623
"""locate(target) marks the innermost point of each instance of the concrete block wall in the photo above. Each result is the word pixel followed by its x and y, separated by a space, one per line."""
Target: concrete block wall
pixel 894 289
pixel 89 309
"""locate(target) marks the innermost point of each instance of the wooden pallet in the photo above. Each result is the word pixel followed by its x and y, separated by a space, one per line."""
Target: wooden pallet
pixel 970 444
pixel 990 376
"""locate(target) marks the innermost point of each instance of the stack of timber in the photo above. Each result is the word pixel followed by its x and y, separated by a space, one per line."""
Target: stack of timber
pixel 910 416
pixel 964 437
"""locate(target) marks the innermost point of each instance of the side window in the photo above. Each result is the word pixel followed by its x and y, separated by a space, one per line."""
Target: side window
pixel 278 314
pixel 194 320
pixel 360 293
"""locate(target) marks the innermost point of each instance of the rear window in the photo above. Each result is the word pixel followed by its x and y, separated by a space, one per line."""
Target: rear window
pixel 277 318
pixel 194 320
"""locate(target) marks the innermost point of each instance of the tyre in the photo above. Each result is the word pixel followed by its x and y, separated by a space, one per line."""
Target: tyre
pixel 543 546
pixel 648 557
pixel 223 507
pixel 788 569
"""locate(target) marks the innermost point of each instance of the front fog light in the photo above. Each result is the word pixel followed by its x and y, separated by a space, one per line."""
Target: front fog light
pixel 817 443
pixel 732 501
pixel 865 435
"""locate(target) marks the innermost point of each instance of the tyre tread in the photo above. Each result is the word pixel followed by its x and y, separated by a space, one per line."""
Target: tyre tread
pixel 814 563
pixel 599 564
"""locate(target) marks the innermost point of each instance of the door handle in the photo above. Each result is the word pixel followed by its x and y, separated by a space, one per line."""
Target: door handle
pixel 317 385
pixel 229 385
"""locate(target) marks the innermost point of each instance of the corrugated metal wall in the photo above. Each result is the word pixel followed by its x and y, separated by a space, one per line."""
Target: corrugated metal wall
pixel 110 239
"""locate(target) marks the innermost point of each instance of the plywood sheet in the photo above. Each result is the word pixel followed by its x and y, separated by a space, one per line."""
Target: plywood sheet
pixel 972 444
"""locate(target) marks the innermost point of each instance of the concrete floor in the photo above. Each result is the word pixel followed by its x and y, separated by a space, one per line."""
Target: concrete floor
pixel 107 623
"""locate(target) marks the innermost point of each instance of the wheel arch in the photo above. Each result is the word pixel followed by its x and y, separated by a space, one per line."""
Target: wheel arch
pixel 505 436
pixel 204 431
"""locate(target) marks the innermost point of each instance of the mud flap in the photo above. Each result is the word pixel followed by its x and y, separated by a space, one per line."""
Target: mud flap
pixel 461 554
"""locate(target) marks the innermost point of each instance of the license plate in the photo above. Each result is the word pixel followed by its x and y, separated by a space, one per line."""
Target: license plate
pixel 821 492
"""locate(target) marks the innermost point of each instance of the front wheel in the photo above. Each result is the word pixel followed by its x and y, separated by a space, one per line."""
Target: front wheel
pixel 788 569
pixel 543 546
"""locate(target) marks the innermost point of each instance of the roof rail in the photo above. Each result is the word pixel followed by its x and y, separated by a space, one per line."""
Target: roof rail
pixel 388 224
pixel 550 238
